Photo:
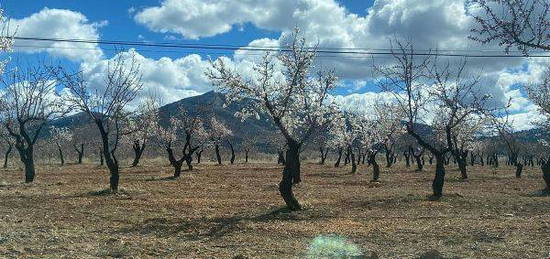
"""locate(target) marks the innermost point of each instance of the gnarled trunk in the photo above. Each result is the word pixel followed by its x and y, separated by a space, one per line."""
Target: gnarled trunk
pixel 138 152
pixel 177 164
pixel 291 175
pixel 80 152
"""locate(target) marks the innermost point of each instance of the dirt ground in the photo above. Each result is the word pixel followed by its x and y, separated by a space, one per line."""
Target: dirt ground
pixel 235 210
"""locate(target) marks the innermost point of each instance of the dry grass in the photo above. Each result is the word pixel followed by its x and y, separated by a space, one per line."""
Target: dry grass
pixel 226 211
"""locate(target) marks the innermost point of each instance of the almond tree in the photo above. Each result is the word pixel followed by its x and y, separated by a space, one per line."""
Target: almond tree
pixel 248 145
pixel 185 131
pixel 388 116
pixel 107 105
pixel 524 24
pixel 28 102
pixel 142 127
pixel 283 86
pixel 218 133
pixel 344 134
pixel 539 93
pixel 60 138
pixel 418 85
pixel 6 38
pixel 8 140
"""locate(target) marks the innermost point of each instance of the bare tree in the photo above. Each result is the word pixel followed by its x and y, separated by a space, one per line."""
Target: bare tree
pixel 29 101
pixel 284 87
pixel 107 104
pixel 142 127
pixel 418 84
pixel 193 138
pixel 60 137
pixel 524 24
pixel 219 132
pixel 8 140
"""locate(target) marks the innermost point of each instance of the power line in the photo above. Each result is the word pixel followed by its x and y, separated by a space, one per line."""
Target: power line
pixel 349 51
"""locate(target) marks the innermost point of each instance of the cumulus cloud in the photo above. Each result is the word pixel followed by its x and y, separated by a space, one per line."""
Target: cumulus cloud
pixel 62 24
pixel 170 79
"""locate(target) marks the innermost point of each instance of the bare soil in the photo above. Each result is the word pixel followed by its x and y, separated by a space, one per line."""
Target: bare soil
pixel 235 210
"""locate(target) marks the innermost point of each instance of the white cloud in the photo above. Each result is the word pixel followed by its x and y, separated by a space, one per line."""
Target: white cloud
pixel 62 24
pixel 170 79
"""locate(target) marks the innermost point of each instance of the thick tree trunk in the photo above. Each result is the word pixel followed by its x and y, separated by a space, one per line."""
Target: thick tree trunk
pixel 138 152
pixel 439 179
pixel 291 175
pixel 419 164
pixel 340 151
pixel 177 164
pixel 7 155
pixel 218 157
pixel 188 161
pixel 519 169
pixel 462 168
pixel 389 158
pixel 347 158
pixel 26 155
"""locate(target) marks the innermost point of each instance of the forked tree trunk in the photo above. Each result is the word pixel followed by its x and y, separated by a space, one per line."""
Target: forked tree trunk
pixel 138 152
pixel 80 152
pixel 7 155
pixel 340 151
pixel 218 157
pixel 389 158
pixel 291 175
pixel 177 164
pixel 324 154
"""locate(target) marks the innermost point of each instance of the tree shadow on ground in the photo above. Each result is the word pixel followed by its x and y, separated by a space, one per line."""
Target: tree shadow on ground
pixel 193 229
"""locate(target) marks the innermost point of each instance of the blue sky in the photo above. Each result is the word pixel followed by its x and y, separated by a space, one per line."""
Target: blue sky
pixel 442 24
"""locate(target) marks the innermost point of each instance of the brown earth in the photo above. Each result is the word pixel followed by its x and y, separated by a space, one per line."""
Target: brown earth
pixel 235 210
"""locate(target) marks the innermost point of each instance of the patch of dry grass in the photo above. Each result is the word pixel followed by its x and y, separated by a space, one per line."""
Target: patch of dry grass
pixel 231 210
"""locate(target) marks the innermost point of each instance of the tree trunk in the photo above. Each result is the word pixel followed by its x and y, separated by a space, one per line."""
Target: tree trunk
pixel 419 164
pixel 352 159
pixel 375 167
pixel 519 169
pixel 546 174
pixel 407 159
pixel 177 164
pixel 323 155
pixel 246 156
pixel 218 157
pixel 346 158
pixel 232 160
pixel 61 157
pixel 439 179
pixel 80 153
pixel 101 159
pixel 26 155
pixel 340 151
pixel 7 155
pixel 291 175
pixel 281 158
pixel 462 168
pixel 199 154
pixel 138 151
pixel 188 161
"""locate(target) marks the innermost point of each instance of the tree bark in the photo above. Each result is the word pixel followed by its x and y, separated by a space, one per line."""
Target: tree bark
pixel 246 156
pixel 519 169
pixel 101 159
pixel 177 164
pixel 407 159
pixel 352 159
pixel 291 175
pixel 439 179
pixel 80 152
pixel 462 169
pixel 323 155
pixel 199 154
pixel 281 158
pixel 218 157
